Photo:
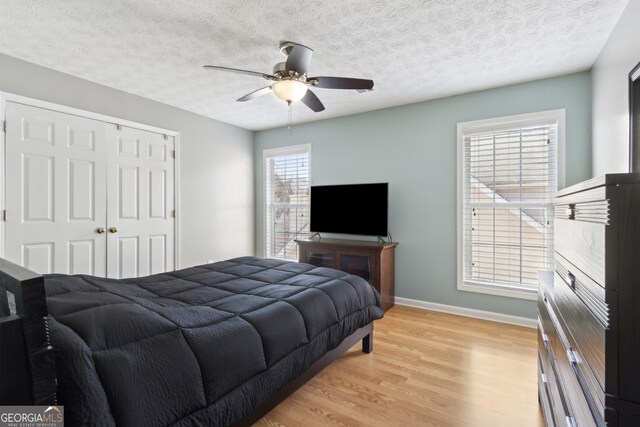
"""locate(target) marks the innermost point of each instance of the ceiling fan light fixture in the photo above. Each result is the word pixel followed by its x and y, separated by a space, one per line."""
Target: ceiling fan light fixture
pixel 290 81
pixel 289 91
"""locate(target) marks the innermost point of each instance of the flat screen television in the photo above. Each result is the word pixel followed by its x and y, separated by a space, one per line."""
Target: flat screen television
pixel 350 209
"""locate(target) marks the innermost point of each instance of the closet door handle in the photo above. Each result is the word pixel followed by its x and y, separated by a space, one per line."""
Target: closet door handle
pixel 100 230
pixel 113 229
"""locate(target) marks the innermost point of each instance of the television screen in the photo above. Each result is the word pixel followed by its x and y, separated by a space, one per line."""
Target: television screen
pixel 350 209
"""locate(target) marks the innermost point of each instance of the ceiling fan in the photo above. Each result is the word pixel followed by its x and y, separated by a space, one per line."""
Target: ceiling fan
pixel 290 80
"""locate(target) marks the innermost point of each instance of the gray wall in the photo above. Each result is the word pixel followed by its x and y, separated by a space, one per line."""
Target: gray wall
pixel 413 147
pixel 610 88
pixel 216 213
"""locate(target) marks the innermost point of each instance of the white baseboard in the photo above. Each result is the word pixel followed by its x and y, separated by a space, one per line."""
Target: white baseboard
pixel 468 312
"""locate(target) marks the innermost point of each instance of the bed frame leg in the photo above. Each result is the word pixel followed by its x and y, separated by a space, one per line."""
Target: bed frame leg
pixel 367 343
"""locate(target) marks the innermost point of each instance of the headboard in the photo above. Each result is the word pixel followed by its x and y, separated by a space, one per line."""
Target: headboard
pixel 27 366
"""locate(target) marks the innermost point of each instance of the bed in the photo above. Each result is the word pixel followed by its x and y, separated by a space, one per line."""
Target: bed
pixel 217 344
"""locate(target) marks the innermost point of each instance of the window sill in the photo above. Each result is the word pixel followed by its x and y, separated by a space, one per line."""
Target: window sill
pixel 498 290
pixel 282 259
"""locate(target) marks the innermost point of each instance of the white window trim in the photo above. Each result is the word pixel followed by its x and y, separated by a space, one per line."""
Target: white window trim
pixel 540 118
pixel 270 152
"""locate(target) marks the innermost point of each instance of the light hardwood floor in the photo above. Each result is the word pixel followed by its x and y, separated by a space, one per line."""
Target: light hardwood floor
pixel 426 369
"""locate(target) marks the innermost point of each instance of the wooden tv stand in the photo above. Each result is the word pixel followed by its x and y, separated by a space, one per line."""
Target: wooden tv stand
pixel 374 262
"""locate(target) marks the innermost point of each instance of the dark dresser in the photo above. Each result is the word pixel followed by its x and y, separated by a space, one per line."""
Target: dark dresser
pixel 589 307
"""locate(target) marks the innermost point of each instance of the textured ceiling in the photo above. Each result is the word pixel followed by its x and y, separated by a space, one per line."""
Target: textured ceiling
pixel 413 50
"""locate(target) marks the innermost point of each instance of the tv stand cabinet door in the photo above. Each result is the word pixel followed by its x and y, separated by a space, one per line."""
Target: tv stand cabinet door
pixel 380 272
pixel 365 264
pixel 370 260
pixel 318 256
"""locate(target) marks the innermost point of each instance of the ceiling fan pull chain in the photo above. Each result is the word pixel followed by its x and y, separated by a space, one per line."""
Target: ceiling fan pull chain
pixel 290 125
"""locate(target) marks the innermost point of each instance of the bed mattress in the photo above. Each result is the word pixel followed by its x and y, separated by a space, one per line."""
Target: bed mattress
pixel 199 346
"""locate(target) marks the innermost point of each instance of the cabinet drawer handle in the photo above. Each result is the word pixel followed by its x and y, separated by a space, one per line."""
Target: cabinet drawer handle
pixel 571 279
pixel 572 357
pixel 544 378
pixel 571 211
pixel 570 422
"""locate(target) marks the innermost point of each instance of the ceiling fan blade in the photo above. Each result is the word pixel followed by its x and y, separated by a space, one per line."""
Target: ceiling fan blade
pixel 312 101
pixel 342 83
pixel 255 94
pixel 237 70
pixel 299 58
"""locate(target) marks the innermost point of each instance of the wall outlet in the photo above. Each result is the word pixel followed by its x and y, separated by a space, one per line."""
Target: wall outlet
pixel 209 261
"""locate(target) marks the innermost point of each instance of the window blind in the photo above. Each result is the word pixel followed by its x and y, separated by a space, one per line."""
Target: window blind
pixel 287 176
pixel 509 181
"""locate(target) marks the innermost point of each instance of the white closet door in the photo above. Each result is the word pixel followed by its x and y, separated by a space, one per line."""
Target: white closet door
pixel 140 203
pixel 55 189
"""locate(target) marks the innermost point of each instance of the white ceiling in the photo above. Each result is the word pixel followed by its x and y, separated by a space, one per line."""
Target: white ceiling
pixel 413 50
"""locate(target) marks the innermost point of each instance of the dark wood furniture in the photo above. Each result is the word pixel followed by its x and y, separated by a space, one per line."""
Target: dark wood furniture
pixel 634 119
pixel 27 365
pixel 373 261
pixel 589 307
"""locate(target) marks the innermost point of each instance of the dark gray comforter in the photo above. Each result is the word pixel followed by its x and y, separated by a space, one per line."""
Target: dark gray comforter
pixel 199 346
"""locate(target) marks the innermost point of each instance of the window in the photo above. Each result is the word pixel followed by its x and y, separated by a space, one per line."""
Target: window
pixel 287 176
pixel 508 175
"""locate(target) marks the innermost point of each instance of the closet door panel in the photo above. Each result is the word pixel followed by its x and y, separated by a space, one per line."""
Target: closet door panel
pixel 81 256
pixel 139 205
pixel 157 194
pixel 128 256
pixel 128 199
pixel 56 191
pixel 38 187
pixel 82 199
pixel 157 254
pixel 39 256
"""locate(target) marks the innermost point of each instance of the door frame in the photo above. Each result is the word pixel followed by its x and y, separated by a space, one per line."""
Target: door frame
pixel 19 99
